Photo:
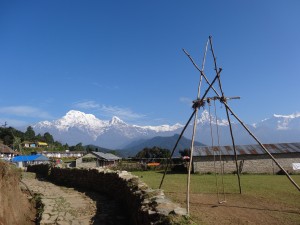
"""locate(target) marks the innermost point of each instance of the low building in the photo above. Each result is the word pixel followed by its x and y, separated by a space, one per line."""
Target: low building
pixel 97 159
pixel 6 153
pixel 63 154
pixel 34 144
pixel 251 158
pixel 25 160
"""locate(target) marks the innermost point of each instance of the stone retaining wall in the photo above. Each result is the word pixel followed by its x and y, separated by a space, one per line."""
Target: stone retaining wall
pixel 146 205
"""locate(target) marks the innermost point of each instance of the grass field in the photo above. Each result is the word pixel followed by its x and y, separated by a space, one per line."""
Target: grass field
pixel 265 199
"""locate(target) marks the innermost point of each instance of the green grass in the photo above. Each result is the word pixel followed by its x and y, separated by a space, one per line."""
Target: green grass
pixel 273 189
pixel 272 185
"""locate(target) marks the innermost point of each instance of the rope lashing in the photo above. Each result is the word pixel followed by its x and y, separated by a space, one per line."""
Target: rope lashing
pixel 198 103
pixel 201 102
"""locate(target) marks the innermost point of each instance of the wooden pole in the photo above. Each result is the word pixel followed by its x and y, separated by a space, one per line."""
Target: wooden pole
pixel 194 133
pixel 168 163
pixel 227 114
pixel 190 164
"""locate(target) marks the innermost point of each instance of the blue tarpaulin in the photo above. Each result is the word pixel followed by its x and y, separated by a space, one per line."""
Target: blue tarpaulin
pixel 26 158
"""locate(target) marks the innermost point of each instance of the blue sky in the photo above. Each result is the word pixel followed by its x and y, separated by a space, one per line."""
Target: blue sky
pixel 125 58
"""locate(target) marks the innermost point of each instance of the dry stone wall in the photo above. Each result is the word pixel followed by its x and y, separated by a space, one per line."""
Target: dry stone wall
pixel 144 205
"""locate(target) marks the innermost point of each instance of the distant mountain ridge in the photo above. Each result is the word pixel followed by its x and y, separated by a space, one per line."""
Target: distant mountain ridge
pixel 162 142
pixel 77 127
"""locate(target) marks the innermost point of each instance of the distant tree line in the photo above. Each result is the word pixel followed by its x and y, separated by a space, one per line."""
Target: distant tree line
pixel 157 152
pixel 14 138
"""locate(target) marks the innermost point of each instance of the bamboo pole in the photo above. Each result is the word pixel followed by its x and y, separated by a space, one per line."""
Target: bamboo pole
pixel 227 114
pixel 168 163
pixel 194 133
pixel 190 164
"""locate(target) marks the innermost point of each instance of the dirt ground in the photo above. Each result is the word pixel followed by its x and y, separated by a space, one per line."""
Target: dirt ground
pixel 15 207
pixel 239 209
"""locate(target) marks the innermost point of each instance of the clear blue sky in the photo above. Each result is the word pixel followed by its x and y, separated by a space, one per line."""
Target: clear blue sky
pixel 125 58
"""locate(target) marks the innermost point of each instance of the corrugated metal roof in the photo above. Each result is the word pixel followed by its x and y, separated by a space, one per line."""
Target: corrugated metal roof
pixel 107 156
pixel 24 158
pixel 247 149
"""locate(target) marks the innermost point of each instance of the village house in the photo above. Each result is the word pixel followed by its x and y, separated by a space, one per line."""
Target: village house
pixel 251 158
pixel 34 144
pixel 6 153
pixel 63 154
pixel 97 159
pixel 25 160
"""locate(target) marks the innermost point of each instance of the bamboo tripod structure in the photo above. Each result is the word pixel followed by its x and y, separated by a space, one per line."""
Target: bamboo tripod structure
pixel 199 102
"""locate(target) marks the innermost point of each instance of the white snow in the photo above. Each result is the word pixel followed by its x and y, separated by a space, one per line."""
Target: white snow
pixel 292 116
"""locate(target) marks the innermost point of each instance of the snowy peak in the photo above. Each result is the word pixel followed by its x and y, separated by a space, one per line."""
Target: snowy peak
pixel 281 122
pixel 77 118
pixel 205 118
pixel 163 128
pixel 74 116
pixel 116 121
pixel 292 116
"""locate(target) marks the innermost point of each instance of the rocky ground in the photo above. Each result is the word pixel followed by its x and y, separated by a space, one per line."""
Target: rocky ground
pixel 68 206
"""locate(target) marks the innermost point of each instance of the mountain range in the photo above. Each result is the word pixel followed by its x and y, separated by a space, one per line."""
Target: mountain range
pixel 78 126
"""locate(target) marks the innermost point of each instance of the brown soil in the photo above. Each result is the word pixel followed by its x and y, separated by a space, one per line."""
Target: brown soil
pixel 15 208
pixel 239 209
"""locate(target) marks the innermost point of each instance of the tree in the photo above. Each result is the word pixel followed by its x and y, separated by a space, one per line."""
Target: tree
pixel 17 143
pixel 8 140
pixel 66 146
pixel 29 134
pixel 154 152
pixel 48 138
pixel 77 147
pixel 39 137
pixel 185 152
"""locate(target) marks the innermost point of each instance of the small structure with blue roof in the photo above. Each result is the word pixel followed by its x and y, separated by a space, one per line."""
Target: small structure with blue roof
pixel 24 160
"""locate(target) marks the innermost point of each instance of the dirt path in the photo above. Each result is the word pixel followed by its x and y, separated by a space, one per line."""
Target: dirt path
pixel 67 206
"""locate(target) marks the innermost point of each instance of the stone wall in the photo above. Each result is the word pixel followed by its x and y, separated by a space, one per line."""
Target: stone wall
pixel 258 164
pixel 146 205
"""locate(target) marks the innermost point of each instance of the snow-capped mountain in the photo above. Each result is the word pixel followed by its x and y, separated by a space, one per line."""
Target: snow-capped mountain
pixel 281 122
pixel 77 127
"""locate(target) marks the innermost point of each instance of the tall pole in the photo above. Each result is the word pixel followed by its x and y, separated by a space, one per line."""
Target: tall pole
pixel 168 163
pixel 227 114
pixel 193 136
